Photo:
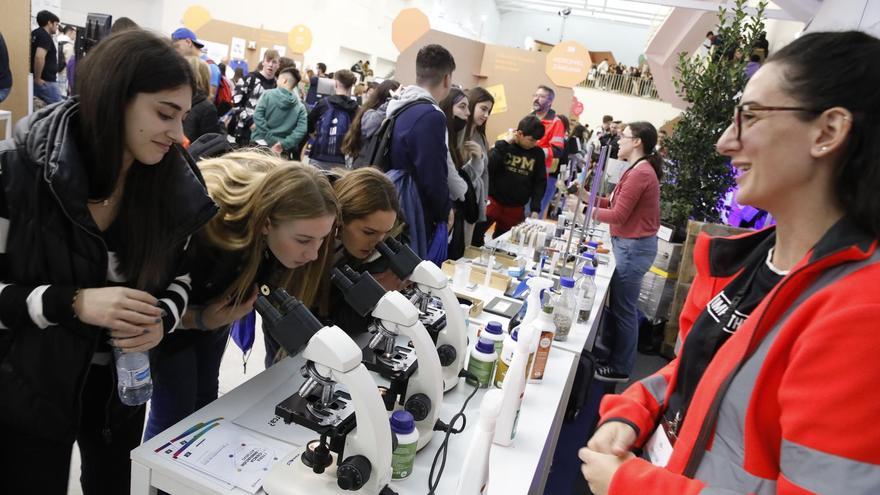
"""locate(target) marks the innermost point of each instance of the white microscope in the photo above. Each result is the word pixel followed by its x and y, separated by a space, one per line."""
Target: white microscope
pixel 353 453
pixel 447 326
pixel 416 380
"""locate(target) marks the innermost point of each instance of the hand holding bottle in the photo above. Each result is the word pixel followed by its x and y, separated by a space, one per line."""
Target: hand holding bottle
pixel 125 312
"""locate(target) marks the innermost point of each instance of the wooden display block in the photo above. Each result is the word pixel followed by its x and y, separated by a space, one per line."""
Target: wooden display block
pixel 477 304
pixel 506 260
pixel 478 274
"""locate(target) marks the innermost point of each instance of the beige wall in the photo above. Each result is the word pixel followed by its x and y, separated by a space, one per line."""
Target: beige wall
pixel 223 32
pixel 477 63
pixel 15 26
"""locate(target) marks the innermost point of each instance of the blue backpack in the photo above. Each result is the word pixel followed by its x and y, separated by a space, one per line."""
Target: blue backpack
pixel 331 129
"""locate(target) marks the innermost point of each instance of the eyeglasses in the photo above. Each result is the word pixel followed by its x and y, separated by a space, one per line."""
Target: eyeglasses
pixel 752 107
pixel 624 136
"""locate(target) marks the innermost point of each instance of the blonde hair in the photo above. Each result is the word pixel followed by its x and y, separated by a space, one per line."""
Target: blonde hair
pixel 201 73
pixel 253 189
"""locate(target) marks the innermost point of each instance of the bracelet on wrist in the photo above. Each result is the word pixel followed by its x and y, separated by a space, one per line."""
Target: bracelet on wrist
pixel 73 304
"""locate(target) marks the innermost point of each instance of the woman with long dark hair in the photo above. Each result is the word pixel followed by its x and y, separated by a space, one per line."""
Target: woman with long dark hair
pixel 633 212
pixel 461 189
pixel 774 386
pixel 98 204
pixel 480 103
pixel 368 118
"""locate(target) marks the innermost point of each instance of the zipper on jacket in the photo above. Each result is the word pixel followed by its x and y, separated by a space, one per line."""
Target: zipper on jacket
pixel 95 346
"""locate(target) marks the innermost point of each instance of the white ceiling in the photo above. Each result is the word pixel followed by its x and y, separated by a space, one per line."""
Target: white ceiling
pixel 629 12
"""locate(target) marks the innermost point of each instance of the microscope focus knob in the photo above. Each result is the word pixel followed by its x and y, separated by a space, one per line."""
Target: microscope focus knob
pixel 353 473
pixel 419 405
pixel 447 354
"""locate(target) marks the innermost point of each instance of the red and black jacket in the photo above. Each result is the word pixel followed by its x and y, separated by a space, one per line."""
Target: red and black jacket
pixel 789 404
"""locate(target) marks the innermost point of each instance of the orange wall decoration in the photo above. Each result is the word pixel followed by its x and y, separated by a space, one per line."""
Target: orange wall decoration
pixel 299 39
pixel 408 26
pixel 568 64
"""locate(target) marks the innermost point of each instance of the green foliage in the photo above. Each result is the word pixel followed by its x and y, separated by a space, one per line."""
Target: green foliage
pixel 698 177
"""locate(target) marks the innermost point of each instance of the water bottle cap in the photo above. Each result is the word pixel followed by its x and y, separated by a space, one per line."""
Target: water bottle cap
pixel 567 282
pixel 402 422
pixel 485 346
pixel 588 256
pixel 494 328
pixel 588 270
pixel 593 244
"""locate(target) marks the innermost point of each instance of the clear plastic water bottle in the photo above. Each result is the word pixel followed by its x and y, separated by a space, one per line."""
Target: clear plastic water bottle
pixel 134 383
pixel 564 309
pixel 586 291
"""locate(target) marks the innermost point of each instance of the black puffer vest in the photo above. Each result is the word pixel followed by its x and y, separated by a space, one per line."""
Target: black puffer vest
pixel 52 240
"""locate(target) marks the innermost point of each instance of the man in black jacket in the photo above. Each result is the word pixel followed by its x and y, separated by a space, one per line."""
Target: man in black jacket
pixel 517 175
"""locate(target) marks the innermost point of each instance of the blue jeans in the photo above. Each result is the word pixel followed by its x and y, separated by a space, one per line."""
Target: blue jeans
pixel 548 195
pixel 633 259
pixel 48 92
pixel 185 379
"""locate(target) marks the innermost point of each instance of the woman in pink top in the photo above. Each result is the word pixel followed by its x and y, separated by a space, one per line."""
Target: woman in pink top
pixel 633 212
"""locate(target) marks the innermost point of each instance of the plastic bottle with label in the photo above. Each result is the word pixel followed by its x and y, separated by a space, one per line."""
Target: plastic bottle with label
pixel 586 291
pixel 514 387
pixel 404 427
pixel 503 364
pixel 482 363
pixel 474 475
pixel 133 380
pixel 564 310
pixel 544 329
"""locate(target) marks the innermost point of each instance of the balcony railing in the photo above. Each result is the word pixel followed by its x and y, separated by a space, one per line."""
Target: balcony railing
pixel 618 83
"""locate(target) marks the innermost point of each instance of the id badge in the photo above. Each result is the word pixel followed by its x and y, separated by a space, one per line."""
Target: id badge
pixel 659 448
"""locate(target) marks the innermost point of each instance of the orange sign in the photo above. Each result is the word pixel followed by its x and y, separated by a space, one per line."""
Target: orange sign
pixel 299 39
pixel 195 17
pixel 568 64
pixel 408 26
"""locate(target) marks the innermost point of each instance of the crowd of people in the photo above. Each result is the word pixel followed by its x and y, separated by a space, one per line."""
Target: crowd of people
pixel 143 212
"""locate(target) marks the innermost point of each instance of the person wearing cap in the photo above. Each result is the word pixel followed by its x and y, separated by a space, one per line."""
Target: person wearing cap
pixel 186 43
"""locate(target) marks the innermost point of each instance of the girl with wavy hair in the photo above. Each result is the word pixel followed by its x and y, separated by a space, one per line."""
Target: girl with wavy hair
pixel 274 228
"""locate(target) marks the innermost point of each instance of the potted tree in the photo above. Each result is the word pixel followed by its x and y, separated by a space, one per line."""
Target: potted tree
pixel 697 177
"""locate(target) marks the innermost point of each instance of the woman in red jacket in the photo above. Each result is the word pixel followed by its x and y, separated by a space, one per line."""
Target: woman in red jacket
pixel 633 212
pixel 774 390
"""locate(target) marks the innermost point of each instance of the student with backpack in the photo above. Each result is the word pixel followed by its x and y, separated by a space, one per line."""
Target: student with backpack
pixel 367 122
pixel 330 120
pixel 416 152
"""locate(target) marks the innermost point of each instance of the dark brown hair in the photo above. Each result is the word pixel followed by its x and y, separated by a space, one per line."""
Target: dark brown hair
pixel 351 143
pixel 848 78
pixel 105 88
pixel 477 95
pixel 447 105
pixel 647 133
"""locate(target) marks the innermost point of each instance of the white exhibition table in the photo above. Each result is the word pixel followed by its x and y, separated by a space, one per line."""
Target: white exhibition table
pixel 517 469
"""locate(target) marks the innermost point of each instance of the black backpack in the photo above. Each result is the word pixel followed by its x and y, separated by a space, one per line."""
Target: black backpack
pixel 377 150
